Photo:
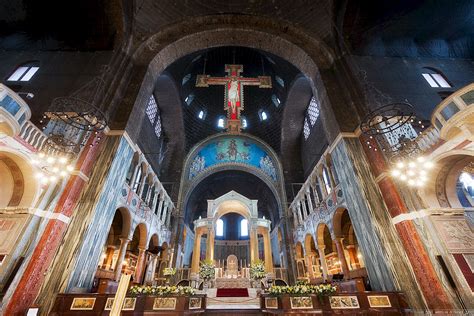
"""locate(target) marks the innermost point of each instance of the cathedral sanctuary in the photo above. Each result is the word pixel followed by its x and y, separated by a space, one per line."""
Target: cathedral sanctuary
pixel 236 157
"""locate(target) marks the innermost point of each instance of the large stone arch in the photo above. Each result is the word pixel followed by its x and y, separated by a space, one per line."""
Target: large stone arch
pixel 160 50
pixel 19 187
pixel 440 189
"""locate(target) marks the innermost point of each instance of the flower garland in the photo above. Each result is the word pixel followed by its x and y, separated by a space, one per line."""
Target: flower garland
pixel 207 270
pixel 303 289
pixel 257 270
pixel 161 290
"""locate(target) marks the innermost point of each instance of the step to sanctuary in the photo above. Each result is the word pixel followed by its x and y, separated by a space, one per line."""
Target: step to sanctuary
pixel 251 302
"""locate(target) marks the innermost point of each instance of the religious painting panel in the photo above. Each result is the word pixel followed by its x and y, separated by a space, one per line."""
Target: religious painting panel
pixel 109 303
pixel 379 301
pixel 301 302
pixel 195 302
pixel 344 302
pixel 164 303
pixel 233 150
pixel 83 303
pixel 129 304
pixel 271 302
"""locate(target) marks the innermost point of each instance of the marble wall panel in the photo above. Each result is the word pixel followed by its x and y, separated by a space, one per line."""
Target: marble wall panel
pixel 76 261
pixel 386 261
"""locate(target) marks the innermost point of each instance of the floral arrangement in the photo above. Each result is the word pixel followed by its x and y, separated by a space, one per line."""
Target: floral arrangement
pixel 207 270
pixel 257 270
pixel 303 289
pixel 169 271
pixel 161 290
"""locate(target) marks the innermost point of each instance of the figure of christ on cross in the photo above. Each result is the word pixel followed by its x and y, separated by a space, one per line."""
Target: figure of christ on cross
pixel 233 82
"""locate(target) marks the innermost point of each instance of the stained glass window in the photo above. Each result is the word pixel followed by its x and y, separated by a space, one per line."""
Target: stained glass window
pixel 313 111
pixel 280 81
pixel 306 130
pixel 186 79
pixel 151 109
pixel 158 127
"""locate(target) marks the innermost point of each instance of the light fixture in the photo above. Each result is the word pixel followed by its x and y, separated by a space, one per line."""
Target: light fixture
pixel 412 171
pixel 52 167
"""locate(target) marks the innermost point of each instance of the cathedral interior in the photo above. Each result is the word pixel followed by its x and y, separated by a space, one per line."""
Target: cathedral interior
pixel 223 157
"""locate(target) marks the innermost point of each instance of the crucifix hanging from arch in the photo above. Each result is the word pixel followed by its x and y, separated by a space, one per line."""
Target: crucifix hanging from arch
pixel 234 93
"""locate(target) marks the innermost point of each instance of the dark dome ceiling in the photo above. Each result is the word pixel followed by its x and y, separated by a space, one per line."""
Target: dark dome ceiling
pixel 221 183
pixel 210 100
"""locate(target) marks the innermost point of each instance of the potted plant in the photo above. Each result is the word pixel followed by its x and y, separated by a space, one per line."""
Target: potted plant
pixel 257 272
pixel 207 271
pixel 168 274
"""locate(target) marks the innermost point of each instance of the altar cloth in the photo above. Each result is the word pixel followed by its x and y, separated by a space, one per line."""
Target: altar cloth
pixel 232 293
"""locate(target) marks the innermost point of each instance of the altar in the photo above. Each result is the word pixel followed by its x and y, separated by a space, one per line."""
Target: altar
pixel 228 283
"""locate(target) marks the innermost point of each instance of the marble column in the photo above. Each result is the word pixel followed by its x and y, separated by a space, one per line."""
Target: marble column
pixel 210 244
pixel 295 217
pixel 196 252
pixel 267 251
pixel 300 217
pixel 304 210
pixel 322 260
pixel 353 256
pixel 160 206
pixel 168 217
pixel 433 291
pixel 309 264
pixel 253 244
pixel 109 255
pixel 51 239
pixel 308 198
pixel 140 265
pixel 342 256
pixel 118 265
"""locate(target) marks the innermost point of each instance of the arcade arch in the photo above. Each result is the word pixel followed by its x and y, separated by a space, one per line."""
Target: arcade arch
pixel 18 186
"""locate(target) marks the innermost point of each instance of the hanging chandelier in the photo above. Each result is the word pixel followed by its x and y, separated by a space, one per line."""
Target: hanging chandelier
pixel 393 128
pixel 414 171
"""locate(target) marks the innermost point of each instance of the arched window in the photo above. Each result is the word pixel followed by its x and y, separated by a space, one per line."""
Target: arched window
pixel 276 100
pixel 138 178
pixel 435 79
pixel 244 228
pixel 151 109
pixel 220 228
pixel 201 115
pixel 25 72
pixel 185 79
pixel 263 115
pixel 244 123
pixel 221 122
pixel 312 114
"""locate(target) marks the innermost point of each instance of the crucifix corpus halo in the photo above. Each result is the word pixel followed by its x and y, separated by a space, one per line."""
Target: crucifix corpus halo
pixel 234 92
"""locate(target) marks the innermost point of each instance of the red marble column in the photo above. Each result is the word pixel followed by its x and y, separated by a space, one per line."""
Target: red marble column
pixel 342 257
pixel 423 269
pixel 32 278
pixel 140 265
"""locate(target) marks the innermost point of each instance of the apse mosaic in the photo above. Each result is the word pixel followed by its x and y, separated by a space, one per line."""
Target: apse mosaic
pixel 232 150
